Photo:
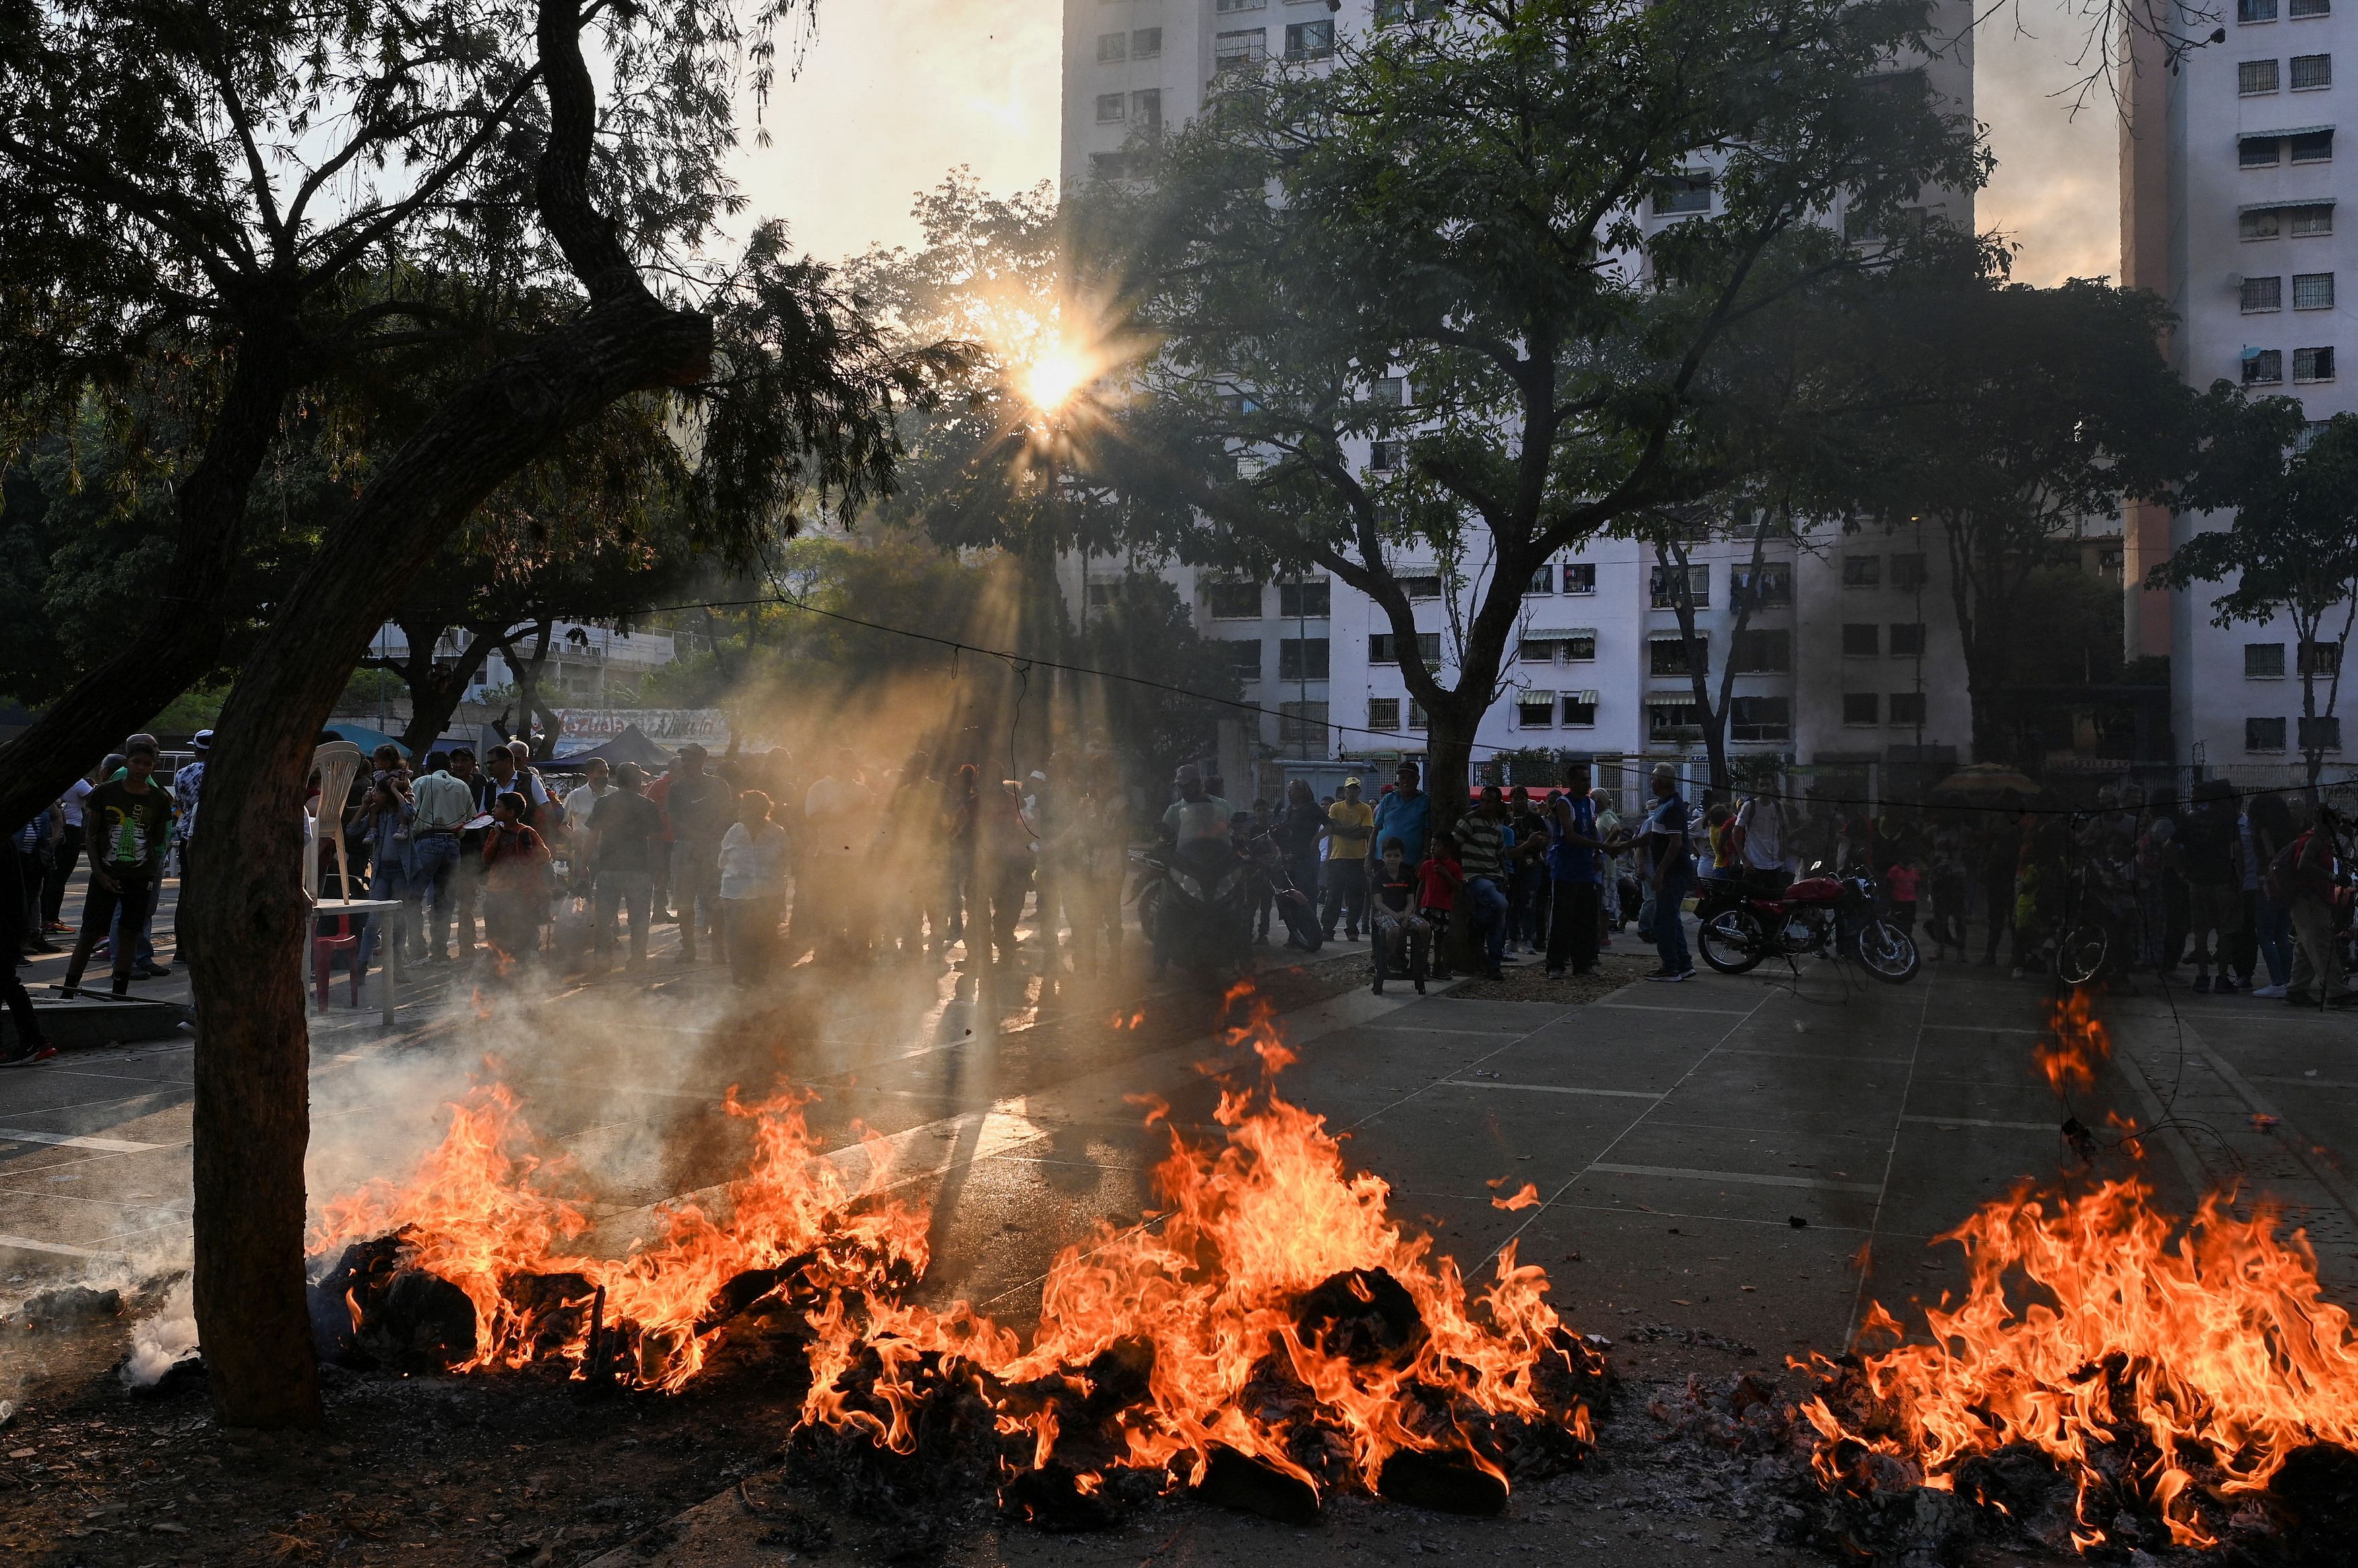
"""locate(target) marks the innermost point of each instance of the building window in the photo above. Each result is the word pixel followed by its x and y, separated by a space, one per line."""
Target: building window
pixel 2312 291
pixel 1580 577
pixel 1226 6
pixel 1233 600
pixel 1388 391
pixel 1244 657
pixel 1862 640
pixel 2311 146
pixel 1907 707
pixel 2299 9
pixel 1667 657
pixel 1682 193
pixel 2313 365
pixel 1302 726
pixel 1762 587
pixel 1305 601
pixel 1302 658
pixel 1536 651
pixel 2321 734
pixel 2313 219
pixel 1424 585
pixel 1667 723
pixel 1762 653
pixel 1244 49
pixel 1862 707
pixel 1908 573
pixel 1415 714
pixel 2264 734
pixel 1383 648
pixel 2254 76
pixel 2259 152
pixel 1146 43
pixel 1309 40
pixel 1384 713
pixel 1109 165
pixel 1383 456
pixel 1146 108
pixel 1580 710
pixel 2264 224
pixel 2306 436
pixel 1862 571
pixel 1535 710
pixel 1908 638
pixel 2320 658
pixel 2263 661
pixel 2256 10
pixel 1112 108
pixel 1760 718
pixel 1580 648
pixel 2263 294
pixel 1113 47
pixel 2263 367
pixel 1542 581
pixel 1665 586
pixel 2311 71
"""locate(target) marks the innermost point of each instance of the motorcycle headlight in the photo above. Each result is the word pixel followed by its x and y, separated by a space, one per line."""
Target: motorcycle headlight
pixel 1228 883
pixel 1187 884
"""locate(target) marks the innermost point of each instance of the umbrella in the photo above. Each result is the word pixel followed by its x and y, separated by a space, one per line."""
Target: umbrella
pixel 1987 779
pixel 630 746
pixel 366 738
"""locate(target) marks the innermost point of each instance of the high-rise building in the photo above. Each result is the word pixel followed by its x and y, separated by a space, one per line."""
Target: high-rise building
pixel 2228 185
pixel 1849 666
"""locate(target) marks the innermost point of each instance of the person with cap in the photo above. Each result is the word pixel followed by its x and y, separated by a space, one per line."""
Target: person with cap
pixel 131 818
pixel 1349 831
pixel 189 789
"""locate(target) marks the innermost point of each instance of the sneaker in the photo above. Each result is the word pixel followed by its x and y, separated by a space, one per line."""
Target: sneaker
pixel 1378 986
pixel 2201 985
pixel 58 928
pixel 2268 993
pixel 1494 974
pixel 1420 987
pixel 1663 976
pixel 2225 986
pixel 25 1055
pixel 1686 974
pixel 42 945
pixel 154 972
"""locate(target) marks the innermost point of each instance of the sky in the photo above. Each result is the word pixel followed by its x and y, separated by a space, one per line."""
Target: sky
pixel 894 95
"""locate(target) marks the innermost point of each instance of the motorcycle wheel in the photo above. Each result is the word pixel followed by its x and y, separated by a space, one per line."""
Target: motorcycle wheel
pixel 2079 957
pixel 1889 953
pixel 1150 906
pixel 1301 932
pixel 1732 942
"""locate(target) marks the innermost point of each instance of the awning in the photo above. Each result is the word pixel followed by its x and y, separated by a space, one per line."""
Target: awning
pixel 1589 697
pixel 2278 135
pixel 2280 206
pixel 1559 635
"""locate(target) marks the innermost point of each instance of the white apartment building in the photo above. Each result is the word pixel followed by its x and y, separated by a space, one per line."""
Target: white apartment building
pixel 1852 665
pixel 585 664
pixel 2232 164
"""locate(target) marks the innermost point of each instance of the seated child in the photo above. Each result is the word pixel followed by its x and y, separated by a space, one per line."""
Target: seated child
pixel 1401 935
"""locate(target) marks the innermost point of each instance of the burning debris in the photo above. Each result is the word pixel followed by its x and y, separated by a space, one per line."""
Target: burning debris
pixel 2142 1389
pixel 1270 1337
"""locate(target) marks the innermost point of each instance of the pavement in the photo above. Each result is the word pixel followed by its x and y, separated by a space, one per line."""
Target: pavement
pixel 1754 1159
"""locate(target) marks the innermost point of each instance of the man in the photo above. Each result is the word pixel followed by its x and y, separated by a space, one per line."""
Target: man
pixel 1198 815
pixel 624 830
pixel 1350 830
pixel 189 789
pixel 1668 864
pixel 1760 842
pixel 15 898
pixel 2210 857
pixel 1577 912
pixel 579 803
pixel 2302 878
pixel 839 827
pixel 1483 839
pixel 69 852
pixel 699 808
pixel 131 818
pixel 1406 814
pixel 445 804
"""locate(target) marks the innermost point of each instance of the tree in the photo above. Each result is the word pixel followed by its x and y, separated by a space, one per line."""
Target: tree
pixel 1673 536
pixel 161 168
pixel 2008 415
pixel 2292 546
pixel 1410 296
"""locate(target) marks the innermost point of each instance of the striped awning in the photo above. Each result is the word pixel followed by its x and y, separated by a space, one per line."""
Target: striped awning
pixel 2288 201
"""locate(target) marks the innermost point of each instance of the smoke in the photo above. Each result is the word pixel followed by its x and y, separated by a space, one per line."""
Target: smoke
pixel 161 1341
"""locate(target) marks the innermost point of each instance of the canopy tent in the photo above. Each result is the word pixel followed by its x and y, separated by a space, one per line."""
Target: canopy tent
pixel 630 746
pixel 366 738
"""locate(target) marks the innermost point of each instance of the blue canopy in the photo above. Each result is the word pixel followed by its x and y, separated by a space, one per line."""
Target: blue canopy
pixel 366 738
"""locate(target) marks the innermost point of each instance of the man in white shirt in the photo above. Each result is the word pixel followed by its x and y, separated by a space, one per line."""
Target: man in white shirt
pixel 1760 840
pixel 445 805
pixel 578 804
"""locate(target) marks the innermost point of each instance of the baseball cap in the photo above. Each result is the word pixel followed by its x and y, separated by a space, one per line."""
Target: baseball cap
pixel 201 740
pixel 1353 784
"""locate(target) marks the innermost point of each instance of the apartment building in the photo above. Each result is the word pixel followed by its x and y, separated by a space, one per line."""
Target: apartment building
pixel 1851 663
pixel 2231 170
pixel 587 665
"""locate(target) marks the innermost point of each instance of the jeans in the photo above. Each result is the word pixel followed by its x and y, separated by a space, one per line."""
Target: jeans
pixel 1574 927
pixel 2273 923
pixel 134 899
pixel 1669 930
pixel 1485 904
pixel 435 879
pixel 753 925
pixel 695 891
pixel 385 882
pixel 61 870
pixel 630 892
pixel 1346 895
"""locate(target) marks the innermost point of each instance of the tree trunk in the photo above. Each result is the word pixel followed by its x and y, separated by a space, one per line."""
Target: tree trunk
pixel 177 638
pixel 527 673
pixel 1449 759
pixel 435 693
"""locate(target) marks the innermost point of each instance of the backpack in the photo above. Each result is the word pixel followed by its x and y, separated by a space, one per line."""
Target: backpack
pixel 2206 840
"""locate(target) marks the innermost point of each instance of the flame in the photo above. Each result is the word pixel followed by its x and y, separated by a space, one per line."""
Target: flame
pixel 2208 1348
pixel 1528 1197
pixel 2075 1045
pixel 1213 1282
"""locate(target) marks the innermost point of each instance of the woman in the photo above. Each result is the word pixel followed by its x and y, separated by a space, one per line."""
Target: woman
pixel 380 823
pixel 753 886
pixel 515 881
pixel 1297 836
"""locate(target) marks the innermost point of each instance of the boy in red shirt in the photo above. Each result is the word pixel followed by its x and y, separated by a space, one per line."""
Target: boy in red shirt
pixel 1400 934
pixel 1437 882
pixel 515 893
pixel 1903 882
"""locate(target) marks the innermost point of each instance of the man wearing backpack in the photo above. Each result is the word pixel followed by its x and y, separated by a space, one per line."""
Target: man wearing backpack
pixel 2211 859
pixel 2302 880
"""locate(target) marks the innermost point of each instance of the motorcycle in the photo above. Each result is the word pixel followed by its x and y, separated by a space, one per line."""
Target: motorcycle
pixel 1828 916
pixel 1209 895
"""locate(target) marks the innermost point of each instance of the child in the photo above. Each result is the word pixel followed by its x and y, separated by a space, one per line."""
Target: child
pixel 515 863
pixel 1400 934
pixel 1903 882
pixel 1719 830
pixel 1438 878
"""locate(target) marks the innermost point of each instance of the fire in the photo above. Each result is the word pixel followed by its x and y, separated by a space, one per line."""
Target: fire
pixel 2076 1044
pixel 1270 1306
pixel 2180 1368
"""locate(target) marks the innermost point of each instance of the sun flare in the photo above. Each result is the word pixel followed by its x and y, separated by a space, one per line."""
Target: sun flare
pixel 1053 375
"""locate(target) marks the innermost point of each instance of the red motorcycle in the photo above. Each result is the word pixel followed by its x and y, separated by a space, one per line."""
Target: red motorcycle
pixel 1832 917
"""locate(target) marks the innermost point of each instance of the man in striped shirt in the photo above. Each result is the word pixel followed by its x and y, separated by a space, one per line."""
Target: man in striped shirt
pixel 1482 840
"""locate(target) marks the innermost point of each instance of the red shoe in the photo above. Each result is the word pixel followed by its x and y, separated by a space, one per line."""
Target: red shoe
pixel 26 1058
